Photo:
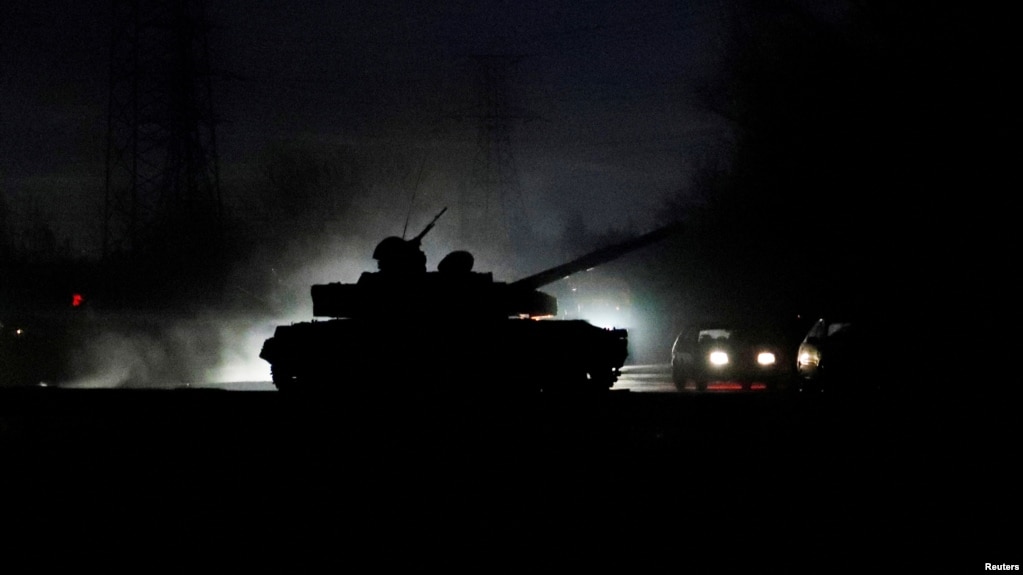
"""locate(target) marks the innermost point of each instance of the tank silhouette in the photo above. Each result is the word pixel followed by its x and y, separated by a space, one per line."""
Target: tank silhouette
pixel 452 329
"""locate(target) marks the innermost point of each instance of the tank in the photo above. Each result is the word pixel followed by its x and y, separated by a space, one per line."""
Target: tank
pixel 451 329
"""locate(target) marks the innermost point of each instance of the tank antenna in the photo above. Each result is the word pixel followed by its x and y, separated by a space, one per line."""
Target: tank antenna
pixel 412 200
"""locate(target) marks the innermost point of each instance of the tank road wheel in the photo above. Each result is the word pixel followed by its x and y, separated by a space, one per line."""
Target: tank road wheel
pixel 283 378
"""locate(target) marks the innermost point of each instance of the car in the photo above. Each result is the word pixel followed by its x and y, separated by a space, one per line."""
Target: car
pixel 832 355
pixel 730 356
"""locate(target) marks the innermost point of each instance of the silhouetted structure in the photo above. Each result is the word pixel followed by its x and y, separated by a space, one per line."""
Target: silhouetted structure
pixel 492 197
pixel 455 326
pixel 162 180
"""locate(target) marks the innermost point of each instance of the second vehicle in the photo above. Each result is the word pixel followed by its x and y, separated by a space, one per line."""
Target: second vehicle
pixel 727 356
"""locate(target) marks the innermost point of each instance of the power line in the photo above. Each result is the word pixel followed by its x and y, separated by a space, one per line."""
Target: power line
pixel 162 175
pixel 493 199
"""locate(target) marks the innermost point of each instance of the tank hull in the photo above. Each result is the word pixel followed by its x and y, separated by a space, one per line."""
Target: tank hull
pixel 508 355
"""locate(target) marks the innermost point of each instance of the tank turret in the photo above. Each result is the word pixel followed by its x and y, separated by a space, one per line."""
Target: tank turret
pixel 456 290
pixel 460 325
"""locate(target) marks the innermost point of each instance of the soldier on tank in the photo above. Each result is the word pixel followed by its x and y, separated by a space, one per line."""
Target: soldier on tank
pixel 456 262
pixel 397 256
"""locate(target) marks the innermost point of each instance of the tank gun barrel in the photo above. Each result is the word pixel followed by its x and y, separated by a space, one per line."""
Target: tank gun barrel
pixel 595 258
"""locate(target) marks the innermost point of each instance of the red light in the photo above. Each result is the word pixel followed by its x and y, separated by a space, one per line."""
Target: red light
pixel 758 386
pixel 77 300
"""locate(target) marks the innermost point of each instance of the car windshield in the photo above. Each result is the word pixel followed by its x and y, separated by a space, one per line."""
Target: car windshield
pixel 707 335
pixel 838 328
pixel 737 334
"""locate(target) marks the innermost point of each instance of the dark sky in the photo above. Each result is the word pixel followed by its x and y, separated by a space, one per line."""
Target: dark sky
pixel 612 99
pixel 605 89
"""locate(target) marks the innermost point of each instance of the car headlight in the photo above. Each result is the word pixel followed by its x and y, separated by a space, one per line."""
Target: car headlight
pixel 809 357
pixel 718 358
pixel 766 358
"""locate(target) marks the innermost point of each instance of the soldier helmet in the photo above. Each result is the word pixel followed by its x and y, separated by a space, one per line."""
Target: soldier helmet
pixel 394 254
pixel 390 248
pixel 456 262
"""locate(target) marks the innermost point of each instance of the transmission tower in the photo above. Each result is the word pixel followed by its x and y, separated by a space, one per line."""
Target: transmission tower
pixel 162 182
pixel 492 201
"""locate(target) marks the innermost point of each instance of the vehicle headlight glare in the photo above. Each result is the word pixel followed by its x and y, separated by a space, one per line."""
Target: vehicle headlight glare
pixel 809 358
pixel 765 358
pixel 718 358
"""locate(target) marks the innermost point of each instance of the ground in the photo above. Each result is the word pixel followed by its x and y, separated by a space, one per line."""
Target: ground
pixel 631 479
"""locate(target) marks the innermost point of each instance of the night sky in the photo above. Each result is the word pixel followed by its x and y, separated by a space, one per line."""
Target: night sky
pixel 615 116
pixel 606 123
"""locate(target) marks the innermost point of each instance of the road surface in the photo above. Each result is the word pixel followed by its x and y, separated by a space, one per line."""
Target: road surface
pixel 632 481
pixel 654 378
